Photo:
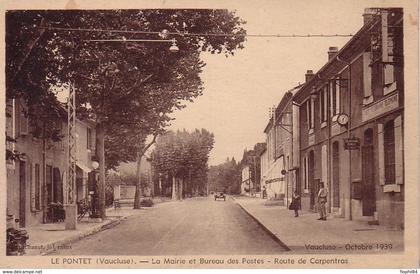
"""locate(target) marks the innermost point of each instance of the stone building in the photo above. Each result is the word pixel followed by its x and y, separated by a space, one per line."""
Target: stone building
pixel 351 119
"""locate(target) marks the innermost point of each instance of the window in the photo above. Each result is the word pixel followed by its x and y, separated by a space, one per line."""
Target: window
pixel 323 104
pixel 388 55
pixel 35 188
pixel 389 152
pixel 335 97
pixel 89 138
pixel 310 113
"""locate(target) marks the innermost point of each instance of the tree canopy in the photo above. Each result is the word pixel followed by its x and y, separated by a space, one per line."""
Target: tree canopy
pixel 127 89
pixel 184 155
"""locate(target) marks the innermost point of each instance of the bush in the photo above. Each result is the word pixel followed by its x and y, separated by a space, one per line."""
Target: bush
pixel 146 202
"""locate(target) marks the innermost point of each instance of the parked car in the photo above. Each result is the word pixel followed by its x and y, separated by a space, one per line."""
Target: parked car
pixel 219 195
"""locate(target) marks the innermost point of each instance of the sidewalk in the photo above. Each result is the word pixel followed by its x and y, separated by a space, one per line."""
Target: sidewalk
pixel 305 234
pixel 45 238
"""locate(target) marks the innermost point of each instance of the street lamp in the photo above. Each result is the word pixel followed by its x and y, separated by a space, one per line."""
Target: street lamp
pixel 95 165
pixel 70 199
pixel 174 48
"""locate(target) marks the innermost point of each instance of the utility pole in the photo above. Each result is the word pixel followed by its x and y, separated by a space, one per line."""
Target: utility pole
pixel 70 202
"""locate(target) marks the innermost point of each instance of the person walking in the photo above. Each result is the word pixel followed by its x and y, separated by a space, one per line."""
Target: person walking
pixel 322 200
pixel 296 203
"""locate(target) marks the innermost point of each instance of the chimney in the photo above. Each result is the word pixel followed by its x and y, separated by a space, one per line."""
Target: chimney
pixel 332 52
pixel 309 75
pixel 369 15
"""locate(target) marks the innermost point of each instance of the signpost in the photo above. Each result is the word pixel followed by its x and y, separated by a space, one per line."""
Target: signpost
pixel 351 143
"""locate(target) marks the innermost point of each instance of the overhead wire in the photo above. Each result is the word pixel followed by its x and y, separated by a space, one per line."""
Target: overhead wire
pixel 202 34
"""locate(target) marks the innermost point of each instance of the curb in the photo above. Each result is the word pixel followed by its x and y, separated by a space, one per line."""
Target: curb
pixel 72 239
pixel 270 233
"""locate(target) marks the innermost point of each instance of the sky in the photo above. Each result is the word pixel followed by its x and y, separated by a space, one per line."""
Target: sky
pixel 239 90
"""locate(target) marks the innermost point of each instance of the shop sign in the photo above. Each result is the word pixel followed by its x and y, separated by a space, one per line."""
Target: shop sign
pixel 380 107
pixel 351 143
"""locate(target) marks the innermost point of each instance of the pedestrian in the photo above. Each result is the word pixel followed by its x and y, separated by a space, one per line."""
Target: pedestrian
pixel 296 203
pixel 322 200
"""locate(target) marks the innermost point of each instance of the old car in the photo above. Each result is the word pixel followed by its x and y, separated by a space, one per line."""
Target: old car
pixel 219 195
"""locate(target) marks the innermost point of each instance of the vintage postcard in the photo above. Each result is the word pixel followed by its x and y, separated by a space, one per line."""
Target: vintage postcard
pixel 220 134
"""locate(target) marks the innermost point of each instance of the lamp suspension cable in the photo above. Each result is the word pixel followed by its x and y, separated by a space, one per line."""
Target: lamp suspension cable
pixel 202 34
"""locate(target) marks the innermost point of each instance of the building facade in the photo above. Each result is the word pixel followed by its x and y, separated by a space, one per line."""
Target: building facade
pixel 279 177
pixel 36 179
pixel 246 183
pixel 351 115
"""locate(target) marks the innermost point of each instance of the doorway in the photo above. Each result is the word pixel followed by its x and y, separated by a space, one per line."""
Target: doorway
pixel 368 193
pixel 22 193
pixel 336 174
pixel 49 185
pixel 311 174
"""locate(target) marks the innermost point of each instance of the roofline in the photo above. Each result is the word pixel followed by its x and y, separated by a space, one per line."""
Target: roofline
pixel 356 36
pixel 296 89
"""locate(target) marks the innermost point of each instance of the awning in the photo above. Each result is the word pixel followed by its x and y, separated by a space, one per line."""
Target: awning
pixel 83 167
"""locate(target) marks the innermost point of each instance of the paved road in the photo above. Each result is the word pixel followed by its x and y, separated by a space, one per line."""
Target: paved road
pixel 199 226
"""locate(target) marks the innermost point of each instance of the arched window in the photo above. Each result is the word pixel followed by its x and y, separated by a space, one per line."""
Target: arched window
pixel 389 152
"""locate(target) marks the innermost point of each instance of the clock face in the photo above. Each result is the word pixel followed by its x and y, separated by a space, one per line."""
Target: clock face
pixel 343 119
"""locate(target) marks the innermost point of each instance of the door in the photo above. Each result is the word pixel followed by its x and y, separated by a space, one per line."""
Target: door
pixel 311 180
pixel 22 193
pixel 336 174
pixel 368 193
pixel 58 186
pixel 49 185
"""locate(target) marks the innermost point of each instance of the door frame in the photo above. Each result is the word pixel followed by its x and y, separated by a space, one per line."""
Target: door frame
pixel 368 193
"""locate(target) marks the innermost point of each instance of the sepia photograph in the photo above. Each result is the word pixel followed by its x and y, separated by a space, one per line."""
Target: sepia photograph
pixel 267 135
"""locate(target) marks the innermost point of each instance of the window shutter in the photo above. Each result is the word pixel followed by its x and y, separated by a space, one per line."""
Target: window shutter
pixel 381 155
pixel 399 173
pixel 308 115
pixel 388 74
pixel 337 96
pixel 325 103
pixel 306 173
pixel 32 184
pixel 367 75
pixel 332 103
pixel 321 105
pixel 23 120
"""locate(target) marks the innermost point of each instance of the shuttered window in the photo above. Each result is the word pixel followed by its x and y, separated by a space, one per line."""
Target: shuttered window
pixel 389 152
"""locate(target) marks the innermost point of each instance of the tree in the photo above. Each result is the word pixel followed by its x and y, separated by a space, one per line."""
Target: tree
pixel 183 157
pixel 225 177
pixel 132 87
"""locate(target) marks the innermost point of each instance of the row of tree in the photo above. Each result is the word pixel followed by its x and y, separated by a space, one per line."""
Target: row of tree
pixel 181 161
pixel 127 89
pixel 225 177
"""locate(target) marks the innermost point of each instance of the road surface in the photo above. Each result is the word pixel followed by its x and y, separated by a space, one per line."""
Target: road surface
pixel 196 226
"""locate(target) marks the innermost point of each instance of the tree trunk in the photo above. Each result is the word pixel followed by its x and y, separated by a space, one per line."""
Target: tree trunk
pixel 100 153
pixel 181 188
pixel 173 188
pixel 139 190
pixel 137 196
